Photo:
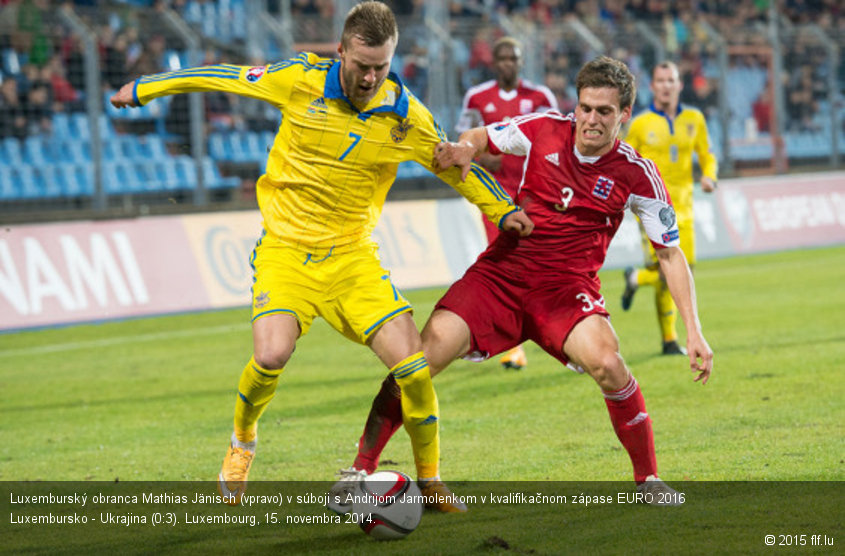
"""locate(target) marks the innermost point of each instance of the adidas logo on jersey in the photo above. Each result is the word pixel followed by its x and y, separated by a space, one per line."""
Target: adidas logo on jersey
pixel 318 107
pixel 553 158
pixel 490 107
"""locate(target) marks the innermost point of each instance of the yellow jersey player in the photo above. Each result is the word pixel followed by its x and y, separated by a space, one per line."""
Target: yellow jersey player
pixel 668 133
pixel 347 125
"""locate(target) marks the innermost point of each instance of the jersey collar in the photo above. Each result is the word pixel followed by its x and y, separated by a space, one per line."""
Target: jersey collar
pixel 654 109
pixel 333 89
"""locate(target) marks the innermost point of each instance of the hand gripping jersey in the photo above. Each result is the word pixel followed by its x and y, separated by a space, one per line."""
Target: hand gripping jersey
pixel 331 165
pixel 670 144
pixel 577 202
pixel 486 103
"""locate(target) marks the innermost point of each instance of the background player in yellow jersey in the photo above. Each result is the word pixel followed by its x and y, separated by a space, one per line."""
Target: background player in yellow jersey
pixel 668 133
pixel 347 125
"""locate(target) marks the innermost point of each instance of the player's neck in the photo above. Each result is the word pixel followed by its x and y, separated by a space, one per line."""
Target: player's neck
pixel 668 108
pixel 508 86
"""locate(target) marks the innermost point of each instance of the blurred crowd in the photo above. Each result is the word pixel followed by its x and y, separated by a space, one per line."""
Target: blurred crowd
pixel 42 60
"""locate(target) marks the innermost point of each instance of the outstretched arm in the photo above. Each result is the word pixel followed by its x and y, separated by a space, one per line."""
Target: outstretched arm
pixel 472 143
pixel 679 279
pixel 271 84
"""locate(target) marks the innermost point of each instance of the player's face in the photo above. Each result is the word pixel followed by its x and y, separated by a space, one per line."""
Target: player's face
pixel 666 86
pixel 598 118
pixel 507 62
pixel 364 68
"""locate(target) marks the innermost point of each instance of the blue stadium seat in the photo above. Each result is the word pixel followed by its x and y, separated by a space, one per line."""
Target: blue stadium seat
pixel 51 181
pixel 186 170
pixel 218 146
pixel 145 173
pixel 82 130
pixel 130 147
pixel 268 138
pixel 213 178
pixel 11 152
pixel 9 186
pixel 31 185
pixel 61 126
pixel 244 144
pixel 168 178
pixel 76 179
pixel 11 62
pixel 120 177
pixel 75 150
pixel 111 149
pixel 152 147
pixel 253 146
pixel 35 151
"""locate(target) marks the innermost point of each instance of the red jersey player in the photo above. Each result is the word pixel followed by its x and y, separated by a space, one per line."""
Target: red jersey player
pixel 578 180
pixel 499 100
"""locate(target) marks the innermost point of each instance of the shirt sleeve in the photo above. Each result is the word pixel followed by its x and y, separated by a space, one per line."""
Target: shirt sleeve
pixel 509 137
pixel 650 201
pixel 480 188
pixel 706 159
pixel 272 83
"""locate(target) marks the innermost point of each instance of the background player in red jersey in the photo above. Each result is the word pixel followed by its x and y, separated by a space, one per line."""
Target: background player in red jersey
pixel 578 180
pixel 499 100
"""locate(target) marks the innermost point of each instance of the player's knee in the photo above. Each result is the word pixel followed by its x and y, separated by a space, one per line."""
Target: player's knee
pixel 441 348
pixel 607 369
pixel 272 357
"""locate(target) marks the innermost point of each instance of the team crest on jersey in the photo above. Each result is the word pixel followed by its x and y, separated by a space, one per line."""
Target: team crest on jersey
pixel 318 107
pixel 261 300
pixel 690 129
pixel 603 188
pixel 526 106
pixel 667 216
pixel 255 73
pixel 400 131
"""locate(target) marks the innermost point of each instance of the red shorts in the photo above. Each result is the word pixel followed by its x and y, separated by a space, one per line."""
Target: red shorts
pixel 506 300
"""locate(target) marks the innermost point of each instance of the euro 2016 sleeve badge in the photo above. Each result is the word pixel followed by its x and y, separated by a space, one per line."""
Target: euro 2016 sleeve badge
pixel 400 131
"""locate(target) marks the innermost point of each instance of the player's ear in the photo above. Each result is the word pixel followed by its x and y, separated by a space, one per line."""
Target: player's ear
pixel 340 48
pixel 626 114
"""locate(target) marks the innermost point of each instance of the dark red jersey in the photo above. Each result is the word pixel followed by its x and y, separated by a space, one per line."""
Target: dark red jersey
pixel 577 202
pixel 486 103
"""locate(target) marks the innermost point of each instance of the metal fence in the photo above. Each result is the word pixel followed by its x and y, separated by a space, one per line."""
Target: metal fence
pixel 771 91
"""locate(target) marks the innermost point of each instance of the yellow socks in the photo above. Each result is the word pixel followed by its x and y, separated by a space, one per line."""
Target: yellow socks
pixel 255 390
pixel 667 313
pixel 420 413
pixel 648 276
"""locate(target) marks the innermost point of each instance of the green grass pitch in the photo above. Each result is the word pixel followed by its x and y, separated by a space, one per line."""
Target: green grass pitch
pixel 152 399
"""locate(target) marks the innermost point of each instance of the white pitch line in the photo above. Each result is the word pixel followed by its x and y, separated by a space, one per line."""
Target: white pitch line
pixel 118 340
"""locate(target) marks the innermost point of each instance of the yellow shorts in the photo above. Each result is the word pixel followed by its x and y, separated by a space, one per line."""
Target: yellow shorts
pixel 686 229
pixel 351 290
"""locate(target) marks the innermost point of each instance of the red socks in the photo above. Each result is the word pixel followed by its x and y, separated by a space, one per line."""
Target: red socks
pixel 384 420
pixel 633 427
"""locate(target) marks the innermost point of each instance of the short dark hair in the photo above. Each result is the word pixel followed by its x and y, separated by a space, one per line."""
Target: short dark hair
pixel 372 22
pixel 607 72
pixel 666 65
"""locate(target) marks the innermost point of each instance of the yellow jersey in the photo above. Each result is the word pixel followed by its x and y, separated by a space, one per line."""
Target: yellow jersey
pixel 331 165
pixel 670 144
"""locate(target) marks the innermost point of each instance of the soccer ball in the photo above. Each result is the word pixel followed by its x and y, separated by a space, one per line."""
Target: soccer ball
pixel 388 505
